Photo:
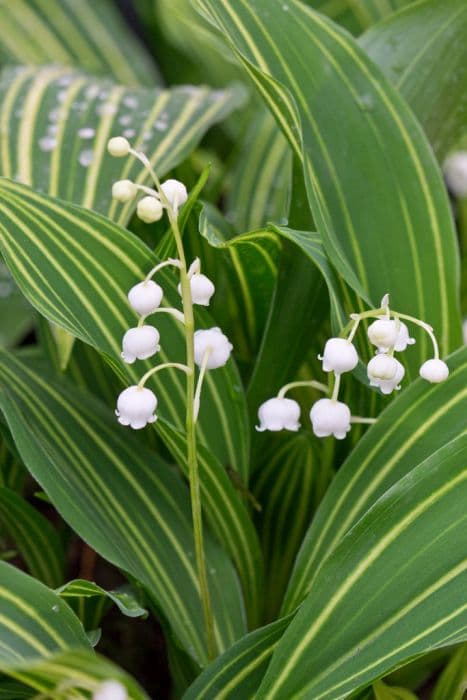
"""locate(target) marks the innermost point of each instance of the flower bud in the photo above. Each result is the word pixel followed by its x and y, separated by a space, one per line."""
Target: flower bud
pixel 202 289
pixel 403 338
pixel 145 297
pixel 385 372
pixel 140 343
pixel 330 417
pixel 124 190
pixel 455 173
pixel 383 333
pixel 278 414
pixel 118 146
pixel 339 356
pixel 175 192
pixel 218 345
pixel 434 371
pixel 149 210
pixel 110 690
pixel 136 407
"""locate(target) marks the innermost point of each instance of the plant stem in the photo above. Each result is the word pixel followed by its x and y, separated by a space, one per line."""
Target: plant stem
pixel 305 382
pixel 192 456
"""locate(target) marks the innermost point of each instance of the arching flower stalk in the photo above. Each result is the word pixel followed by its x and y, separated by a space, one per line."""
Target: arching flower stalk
pixel 205 349
pixel 329 416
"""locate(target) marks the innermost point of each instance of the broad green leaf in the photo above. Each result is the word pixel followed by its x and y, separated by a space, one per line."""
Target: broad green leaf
pixel 452 682
pixel 238 673
pixel 75 672
pixel 260 176
pixel 12 471
pixel 62 275
pixel 131 507
pixel 387 609
pixel 55 125
pixel 89 601
pixel 81 33
pixel 34 621
pixel 244 270
pixel 414 426
pixel 423 52
pixel 368 208
pixel 35 538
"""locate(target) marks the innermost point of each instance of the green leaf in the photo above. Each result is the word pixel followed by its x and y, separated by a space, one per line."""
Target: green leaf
pixel 62 275
pixel 424 46
pixel 56 124
pixel 35 538
pixel 87 34
pixel 387 609
pixel 452 682
pixel 75 672
pixel 414 426
pixel 16 315
pixel 385 223
pixel 119 497
pixel 89 601
pixel 238 672
pixel 34 621
pixel 386 692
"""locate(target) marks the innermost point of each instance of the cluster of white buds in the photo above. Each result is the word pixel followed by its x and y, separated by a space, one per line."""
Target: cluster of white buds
pixel 136 405
pixel 110 690
pixel 328 416
pixel 150 208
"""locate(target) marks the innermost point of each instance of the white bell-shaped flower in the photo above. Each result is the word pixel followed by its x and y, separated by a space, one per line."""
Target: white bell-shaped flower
pixel 202 289
pixel 149 209
pixel 118 146
pixel 330 417
pixel 136 407
pixel 385 372
pixel 124 190
pixel 383 333
pixel 278 414
pixel 140 343
pixel 175 192
pixel 403 338
pixel 434 371
pixel 218 345
pixel 339 356
pixel 455 173
pixel 145 297
pixel 110 690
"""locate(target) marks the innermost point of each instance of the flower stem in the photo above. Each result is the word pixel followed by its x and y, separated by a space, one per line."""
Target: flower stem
pixel 166 365
pixel 337 383
pixel 309 382
pixel 163 310
pixel 199 384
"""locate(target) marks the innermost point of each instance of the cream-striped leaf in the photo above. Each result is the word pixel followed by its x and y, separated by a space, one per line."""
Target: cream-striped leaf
pixel 310 72
pixel 34 621
pixel 119 497
pixel 55 125
pixel 91 35
pixel 394 588
pixel 34 537
pixel 422 419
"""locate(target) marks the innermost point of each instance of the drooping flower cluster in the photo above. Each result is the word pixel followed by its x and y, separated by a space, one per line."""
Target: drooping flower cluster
pixel 136 405
pixel 328 416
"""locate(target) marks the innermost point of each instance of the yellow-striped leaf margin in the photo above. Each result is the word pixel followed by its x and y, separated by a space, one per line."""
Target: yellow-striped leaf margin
pixel 385 221
pixel 394 588
pixel 55 251
pixel 420 421
pixel 76 670
pixel 34 537
pixel 238 673
pixel 56 122
pixel 91 35
pixel 89 601
pixel 430 50
pixel 34 621
pixel 131 507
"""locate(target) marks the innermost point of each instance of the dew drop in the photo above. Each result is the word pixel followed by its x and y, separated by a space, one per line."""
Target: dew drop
pixel 55 608
pixel 130 101
pixel 47 143
pixel 129 133
pixel 86 157
pixel 125 119
pixel 365 103
pixel 106 109
pixel 54 115
pixel 87 132
pixel 161 125
pixel 65 80
pixel 92 92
